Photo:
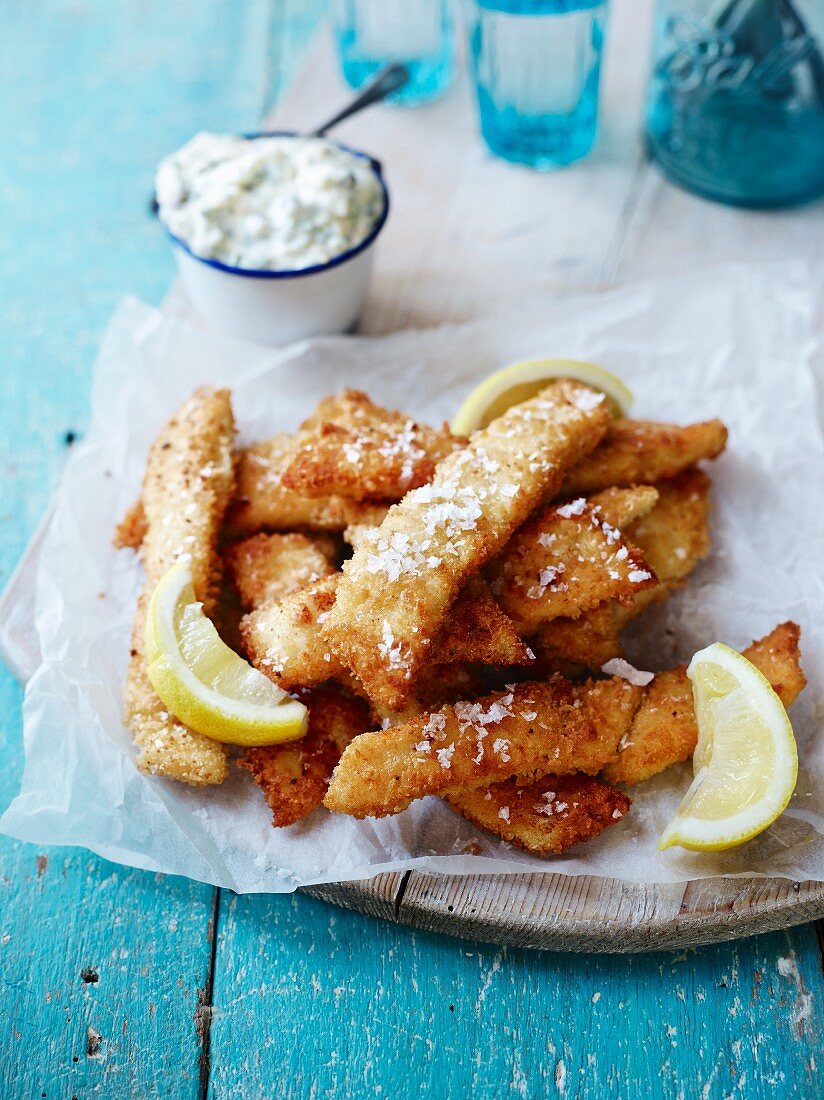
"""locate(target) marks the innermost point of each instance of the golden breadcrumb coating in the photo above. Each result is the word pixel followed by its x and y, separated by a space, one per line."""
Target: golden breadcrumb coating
pixel 636 452
pixel 577 647
pixel 285 640
pixel 366 452
pixel 263 503
pixel 294 776
pixel 674 535
pixel 673 538
pixel 664 730
pixel 547 816
pixel 568 558
pixel 265 567
pixel 188 484
pixel 398 587
pixel 534 729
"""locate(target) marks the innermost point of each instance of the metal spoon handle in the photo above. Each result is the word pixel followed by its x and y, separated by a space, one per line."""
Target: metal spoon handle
pixel 388 80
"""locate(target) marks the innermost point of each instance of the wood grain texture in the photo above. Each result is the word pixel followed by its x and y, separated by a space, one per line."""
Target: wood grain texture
pixel 592 915
pixel 296 999
pixel 335 1004
pixel 88 89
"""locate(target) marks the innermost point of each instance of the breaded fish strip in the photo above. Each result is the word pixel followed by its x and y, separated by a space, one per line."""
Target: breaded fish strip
pixel 399 585
pixel 265 568
pixel 637 452
pixel 568 558
pixel 262 502
pixel 285 639
pixel 188 485
pixel 673 537
pixel 294 776
pixel 367 453
pixel 478 631
pixel 664 731
pixel 534 729
pixel 545 817
pixel 575 647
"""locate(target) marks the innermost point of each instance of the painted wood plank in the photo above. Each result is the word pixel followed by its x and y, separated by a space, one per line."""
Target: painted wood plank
pixel 103 971
pixel 314 1002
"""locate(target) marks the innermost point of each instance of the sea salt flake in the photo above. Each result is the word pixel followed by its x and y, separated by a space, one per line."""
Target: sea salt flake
pixel 503 813
pixel 445 755
pixel 435 726
pixel 619 667
pixel 574 508
pixel 500 745
pixel 587 400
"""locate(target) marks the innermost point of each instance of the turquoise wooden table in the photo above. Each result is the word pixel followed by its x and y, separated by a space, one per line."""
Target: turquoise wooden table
pixel 120 983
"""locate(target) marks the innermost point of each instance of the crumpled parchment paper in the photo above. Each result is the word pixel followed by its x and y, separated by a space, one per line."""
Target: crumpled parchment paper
pixel 735 342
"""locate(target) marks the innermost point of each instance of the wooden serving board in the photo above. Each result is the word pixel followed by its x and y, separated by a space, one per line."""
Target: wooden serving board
pixel 469 235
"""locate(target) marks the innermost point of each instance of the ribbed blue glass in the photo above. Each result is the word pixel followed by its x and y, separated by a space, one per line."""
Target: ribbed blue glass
pixel 373 33
pixel 536 65
pixel 735 108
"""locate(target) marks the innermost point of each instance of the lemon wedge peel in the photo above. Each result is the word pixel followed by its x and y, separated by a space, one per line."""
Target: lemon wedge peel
pixel 520 381
pixel 745 761
pixel 203 682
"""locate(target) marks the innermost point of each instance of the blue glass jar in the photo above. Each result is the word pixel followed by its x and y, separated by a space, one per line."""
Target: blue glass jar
pixel 736 99
pixel 536 65
pixel 373 33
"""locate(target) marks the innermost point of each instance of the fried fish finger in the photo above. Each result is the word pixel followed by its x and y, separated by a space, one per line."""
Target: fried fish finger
pixel 641 452
pixel 366 453
pixel 568 558
pixel 664 730
pixel 576 647
pixel 673 538
pixel 534 729
pixel 263 503
pixel 399 585
pixel 546 817
pixel 285 639
pixel 266 568
pixel 188 485
pixel 294 776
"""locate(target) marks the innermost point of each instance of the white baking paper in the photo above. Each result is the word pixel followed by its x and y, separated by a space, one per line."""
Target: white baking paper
pixel 735 342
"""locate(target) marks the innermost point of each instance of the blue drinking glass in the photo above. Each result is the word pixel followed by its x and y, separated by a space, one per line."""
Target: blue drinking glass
pixel 735 109
pixel 373 33
pixel 537 66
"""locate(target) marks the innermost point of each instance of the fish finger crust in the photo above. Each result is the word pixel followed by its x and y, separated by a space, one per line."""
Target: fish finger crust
pixel 398 587
pixel 531 730
pixel 188 484
pixel 545 817
pixel 293 777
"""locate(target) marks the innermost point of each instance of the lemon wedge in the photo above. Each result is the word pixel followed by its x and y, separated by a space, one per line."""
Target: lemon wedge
pixel 518 382
pixel 745 761
pixel 204 683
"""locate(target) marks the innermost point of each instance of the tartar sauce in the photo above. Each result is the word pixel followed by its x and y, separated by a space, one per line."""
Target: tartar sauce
pixel 270 204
